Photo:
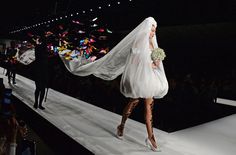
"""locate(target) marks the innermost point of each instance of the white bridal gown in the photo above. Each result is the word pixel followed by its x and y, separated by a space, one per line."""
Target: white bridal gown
pixel 141 80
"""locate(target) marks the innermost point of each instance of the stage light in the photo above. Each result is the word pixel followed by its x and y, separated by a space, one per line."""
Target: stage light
pixel 109 31
pixel 118 2
pixel 94 25
pixel 94 19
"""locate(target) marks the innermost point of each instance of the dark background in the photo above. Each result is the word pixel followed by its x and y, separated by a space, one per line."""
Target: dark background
pixel 17 14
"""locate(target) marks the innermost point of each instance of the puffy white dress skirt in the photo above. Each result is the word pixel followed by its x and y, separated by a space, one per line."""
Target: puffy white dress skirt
pixel 140 80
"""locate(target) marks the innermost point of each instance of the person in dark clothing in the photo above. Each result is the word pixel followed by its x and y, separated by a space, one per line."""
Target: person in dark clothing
pixel 41 71
pixel 2 89
pixel 11 63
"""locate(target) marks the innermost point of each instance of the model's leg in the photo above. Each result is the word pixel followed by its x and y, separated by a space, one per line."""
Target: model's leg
pixel 7 72
pixel 13 77
pixel 36 96
pixel 9 76
pixel 126 113
pixel 149 103
pixel 42 93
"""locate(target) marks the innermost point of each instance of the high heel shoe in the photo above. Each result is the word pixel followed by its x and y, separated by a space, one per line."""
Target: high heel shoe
pixel 119 133
pixel 149 145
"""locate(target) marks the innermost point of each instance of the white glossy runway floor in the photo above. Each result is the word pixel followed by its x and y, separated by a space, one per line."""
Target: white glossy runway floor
pixel 95 128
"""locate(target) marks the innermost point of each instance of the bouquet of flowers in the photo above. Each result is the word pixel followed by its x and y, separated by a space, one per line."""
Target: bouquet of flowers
pixel 158 54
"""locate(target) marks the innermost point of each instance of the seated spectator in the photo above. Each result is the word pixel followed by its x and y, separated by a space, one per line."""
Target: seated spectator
pixel 11 133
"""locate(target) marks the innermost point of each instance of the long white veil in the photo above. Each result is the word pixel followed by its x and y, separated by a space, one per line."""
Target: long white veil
pixel 131 56
pixel 112 64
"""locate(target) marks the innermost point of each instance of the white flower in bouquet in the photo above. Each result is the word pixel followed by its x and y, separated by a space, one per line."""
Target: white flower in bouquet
pixel 158 54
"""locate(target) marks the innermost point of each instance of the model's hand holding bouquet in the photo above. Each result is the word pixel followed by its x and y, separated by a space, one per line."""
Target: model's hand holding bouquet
pixel 157 55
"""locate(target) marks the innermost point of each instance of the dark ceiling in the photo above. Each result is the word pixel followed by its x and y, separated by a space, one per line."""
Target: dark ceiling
pixel 17 14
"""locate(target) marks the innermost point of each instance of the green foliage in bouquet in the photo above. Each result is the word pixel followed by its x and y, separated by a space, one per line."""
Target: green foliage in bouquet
pixel 158 54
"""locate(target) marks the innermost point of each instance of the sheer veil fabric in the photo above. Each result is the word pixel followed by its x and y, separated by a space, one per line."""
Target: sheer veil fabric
pixel 131 57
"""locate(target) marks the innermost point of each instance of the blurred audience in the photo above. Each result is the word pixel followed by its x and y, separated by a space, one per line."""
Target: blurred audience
pixel 13 130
